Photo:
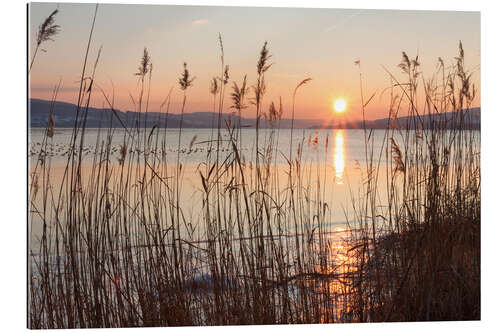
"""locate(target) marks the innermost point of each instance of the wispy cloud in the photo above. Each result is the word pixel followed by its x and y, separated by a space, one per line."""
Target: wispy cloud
pixel 199 22
pixel 342 22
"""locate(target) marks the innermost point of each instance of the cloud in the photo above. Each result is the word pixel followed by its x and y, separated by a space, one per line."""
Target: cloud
pixel 343 22
pixel 200 22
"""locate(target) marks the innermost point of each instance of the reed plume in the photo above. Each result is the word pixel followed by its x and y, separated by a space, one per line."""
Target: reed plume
pixel 274 113
pixel 50 129
pixel 214 86
pixel 238 95
pixel 185 81
pixel 262 65
pixel 144 64
pixel 46 31
pixel 397 156
pixel 123 154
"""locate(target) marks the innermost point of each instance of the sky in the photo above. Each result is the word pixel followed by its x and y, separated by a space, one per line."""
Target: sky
pixel 322 44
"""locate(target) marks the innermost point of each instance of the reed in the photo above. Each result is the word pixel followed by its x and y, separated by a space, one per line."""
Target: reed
pixel 46 31
pixel 424 261
pixel 118 247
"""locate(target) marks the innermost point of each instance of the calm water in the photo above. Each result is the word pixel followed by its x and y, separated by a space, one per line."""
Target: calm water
pixel 338 164
pixel 334 158
pixel 345 147
pixel 341 158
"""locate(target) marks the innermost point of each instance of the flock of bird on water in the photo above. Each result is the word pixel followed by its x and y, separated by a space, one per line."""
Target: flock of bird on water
pixel 62 150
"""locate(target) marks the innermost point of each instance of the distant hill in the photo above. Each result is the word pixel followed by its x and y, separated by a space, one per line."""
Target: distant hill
pixel 470 118
pixel 64 116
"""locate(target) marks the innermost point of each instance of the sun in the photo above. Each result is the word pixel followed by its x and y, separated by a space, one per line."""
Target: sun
pixel 339 105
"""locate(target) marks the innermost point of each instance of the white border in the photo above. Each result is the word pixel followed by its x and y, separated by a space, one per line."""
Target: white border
pixel 13 164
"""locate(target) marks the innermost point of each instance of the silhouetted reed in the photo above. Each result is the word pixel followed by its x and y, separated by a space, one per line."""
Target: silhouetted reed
pixel 116 247
pixel 46 31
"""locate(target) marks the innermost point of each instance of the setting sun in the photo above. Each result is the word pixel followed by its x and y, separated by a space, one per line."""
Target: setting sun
pixel 339 105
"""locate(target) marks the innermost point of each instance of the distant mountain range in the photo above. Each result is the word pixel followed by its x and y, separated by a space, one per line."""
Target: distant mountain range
pixel 64 116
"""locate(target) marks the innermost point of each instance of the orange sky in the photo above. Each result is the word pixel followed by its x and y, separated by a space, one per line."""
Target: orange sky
pixel 318 43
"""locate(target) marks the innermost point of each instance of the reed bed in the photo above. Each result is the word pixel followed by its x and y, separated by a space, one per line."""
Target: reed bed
pixel 117 249
pixel 418 254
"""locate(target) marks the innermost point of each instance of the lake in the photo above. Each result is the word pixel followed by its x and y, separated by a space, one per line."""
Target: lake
pixel 208 216
pixel 339 163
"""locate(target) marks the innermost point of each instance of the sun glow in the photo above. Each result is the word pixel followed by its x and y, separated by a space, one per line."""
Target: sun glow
pixel 339 105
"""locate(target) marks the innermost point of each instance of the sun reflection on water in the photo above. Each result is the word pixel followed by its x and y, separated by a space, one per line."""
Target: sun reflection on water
pixel 336 284
pixel 339 156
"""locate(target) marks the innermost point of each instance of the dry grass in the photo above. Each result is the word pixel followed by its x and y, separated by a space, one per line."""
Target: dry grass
pixel 116 248
pixel 422 251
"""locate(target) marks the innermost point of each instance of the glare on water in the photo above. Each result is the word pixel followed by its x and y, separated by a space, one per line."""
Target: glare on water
pixel 339 156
